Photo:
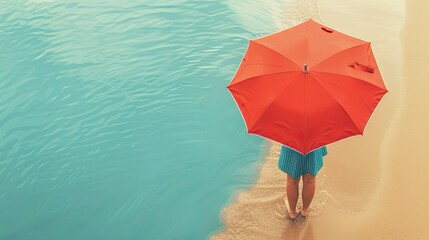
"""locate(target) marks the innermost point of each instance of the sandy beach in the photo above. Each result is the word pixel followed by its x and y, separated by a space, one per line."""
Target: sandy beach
pixel 372 186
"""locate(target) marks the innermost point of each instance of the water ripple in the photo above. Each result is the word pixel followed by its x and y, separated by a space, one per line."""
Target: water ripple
pixel 112 110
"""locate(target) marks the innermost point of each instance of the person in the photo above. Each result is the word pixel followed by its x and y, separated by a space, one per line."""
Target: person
pixel 297 166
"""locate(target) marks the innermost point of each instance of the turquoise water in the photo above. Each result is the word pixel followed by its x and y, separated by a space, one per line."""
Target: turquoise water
pixel 115 119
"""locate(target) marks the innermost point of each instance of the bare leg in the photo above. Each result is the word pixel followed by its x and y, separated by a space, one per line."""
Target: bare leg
pixel 292 194
pixel 308 190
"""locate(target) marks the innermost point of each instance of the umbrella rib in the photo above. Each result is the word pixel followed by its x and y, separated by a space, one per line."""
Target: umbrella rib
pixel 335 54
pixel 266 107
pixel 265 64
pixel 262 75
pixel 273 50
pixel 336 100
pixel 363 80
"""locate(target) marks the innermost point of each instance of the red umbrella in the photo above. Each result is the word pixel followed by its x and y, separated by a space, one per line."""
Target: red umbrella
pixel 307 86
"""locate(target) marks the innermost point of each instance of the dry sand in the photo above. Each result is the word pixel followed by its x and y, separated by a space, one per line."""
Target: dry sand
pixel 371 187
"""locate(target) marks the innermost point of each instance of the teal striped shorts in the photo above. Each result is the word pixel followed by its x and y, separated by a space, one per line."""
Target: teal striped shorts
pixel 296 164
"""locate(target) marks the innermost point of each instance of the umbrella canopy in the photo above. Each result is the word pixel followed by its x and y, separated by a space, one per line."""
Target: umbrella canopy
pixel 307 86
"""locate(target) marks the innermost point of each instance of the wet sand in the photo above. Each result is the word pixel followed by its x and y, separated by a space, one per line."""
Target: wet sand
pixel 371 187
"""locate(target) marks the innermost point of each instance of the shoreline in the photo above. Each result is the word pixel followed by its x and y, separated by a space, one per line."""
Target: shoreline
pixel 349 195
pixel 264 200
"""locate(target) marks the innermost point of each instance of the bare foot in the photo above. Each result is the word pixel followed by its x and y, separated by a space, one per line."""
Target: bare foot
pixel 293 214
pixel 304 213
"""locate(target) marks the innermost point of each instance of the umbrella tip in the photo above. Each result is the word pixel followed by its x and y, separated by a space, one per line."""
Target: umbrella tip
pixel 305 70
